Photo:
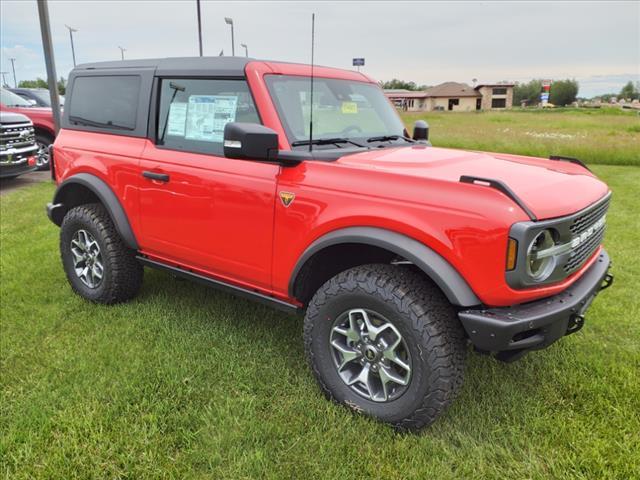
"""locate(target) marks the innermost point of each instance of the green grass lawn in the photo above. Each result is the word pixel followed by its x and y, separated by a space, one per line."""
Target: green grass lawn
pixel 186 382
pixel 606 136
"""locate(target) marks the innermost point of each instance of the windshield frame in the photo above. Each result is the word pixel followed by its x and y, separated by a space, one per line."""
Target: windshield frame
pixel 385 113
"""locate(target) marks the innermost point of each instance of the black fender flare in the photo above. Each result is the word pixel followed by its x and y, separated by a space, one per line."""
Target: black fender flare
pixel 100 189
pixel 453 285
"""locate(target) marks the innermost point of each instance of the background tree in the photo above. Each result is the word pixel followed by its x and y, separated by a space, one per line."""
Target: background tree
pixel 37 83
pixel 396 84
pixel 527 91
pixel 563 92
pixel 630 91
pixel 40 83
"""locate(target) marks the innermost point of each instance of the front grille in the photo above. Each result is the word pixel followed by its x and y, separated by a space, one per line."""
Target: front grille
pixel 581 224
pixel 16 135
pixel 584 221
pixel 583 252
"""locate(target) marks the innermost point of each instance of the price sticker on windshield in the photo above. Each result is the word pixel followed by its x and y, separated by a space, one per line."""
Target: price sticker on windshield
pixel 349 107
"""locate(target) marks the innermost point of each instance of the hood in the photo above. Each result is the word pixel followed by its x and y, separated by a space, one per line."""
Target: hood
pixel 550 188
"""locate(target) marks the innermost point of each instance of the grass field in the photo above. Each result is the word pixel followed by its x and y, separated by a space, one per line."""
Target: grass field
pixel 186 382
pixel 604 136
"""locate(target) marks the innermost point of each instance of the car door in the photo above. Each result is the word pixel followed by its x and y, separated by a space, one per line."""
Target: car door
pixel 197 208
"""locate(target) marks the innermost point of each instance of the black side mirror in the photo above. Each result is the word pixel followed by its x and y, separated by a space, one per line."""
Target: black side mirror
pixel 421 131
pixel 250 141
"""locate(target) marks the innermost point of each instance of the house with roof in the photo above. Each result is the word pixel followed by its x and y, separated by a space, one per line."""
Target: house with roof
pixel 455 97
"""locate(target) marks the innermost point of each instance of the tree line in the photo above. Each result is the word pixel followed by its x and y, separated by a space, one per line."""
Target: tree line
pixel 40 83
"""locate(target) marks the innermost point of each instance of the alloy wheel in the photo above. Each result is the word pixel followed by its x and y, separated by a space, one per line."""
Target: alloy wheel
pixel 370 355
pixel 87 259
pixel 42 155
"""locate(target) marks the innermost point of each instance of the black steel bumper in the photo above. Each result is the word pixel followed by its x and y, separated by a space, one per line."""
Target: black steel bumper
pixel 513 331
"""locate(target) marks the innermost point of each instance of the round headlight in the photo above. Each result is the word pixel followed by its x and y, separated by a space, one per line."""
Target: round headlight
pixel 539 267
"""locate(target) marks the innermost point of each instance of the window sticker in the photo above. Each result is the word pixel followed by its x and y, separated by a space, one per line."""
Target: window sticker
pixel 349 107
pixel 177 119
pixel 207 115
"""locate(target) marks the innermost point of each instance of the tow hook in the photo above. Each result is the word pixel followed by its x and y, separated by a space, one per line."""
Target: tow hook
pixel 576 322
pixel 607 281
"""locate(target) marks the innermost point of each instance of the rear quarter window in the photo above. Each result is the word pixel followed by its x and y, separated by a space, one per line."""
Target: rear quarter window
pixel 105 102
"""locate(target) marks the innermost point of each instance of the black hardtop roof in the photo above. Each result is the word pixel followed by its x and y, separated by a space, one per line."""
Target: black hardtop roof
pixel 223 66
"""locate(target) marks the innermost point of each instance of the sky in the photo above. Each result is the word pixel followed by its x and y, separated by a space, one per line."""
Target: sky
pixel 597 43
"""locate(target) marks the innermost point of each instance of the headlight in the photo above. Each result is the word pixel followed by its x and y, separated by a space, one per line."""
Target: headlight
pixel 540 265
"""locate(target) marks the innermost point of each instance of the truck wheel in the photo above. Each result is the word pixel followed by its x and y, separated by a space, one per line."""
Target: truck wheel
pixel 383 341
pixel 42 155
pixel 98 264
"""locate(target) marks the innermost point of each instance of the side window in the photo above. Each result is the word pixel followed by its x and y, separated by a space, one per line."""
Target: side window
pixel 193 112
pixel 109 102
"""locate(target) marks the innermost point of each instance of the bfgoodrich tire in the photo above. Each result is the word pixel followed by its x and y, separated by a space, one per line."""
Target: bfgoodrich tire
pixel 98 265
pixel 397 328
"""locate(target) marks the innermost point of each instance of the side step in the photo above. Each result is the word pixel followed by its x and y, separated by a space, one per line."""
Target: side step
pixel 223 286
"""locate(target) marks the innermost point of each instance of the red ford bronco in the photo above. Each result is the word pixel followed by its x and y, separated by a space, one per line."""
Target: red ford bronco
pixel 237 174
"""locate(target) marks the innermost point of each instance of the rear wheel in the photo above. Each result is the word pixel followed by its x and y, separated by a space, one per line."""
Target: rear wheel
pixel 99 266
pixel 383 341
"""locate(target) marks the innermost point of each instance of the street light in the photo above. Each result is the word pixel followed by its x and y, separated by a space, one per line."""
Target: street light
pixel 73 52
pixel 13 67
pixel 229 21
pixel 4 81
pixel 246 50
pixel 122 50
pixel 199 26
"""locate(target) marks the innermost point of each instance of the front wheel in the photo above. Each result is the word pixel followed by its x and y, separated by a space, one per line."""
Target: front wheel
pixel 42 155
pixel 383 341
pixel 99 266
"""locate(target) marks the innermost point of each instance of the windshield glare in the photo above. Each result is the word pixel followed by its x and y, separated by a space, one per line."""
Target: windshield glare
pixel 10 99
pixel 341 109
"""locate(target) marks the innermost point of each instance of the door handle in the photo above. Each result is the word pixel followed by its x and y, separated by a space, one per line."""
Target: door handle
pixel 161 177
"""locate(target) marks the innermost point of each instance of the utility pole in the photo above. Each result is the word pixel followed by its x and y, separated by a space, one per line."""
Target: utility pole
pixel 13 67
pixel 73 52
pixel 246 49
pixel 229 21
pixel 4 81
pixel 199 27
pixel 47 46
pixel 122 50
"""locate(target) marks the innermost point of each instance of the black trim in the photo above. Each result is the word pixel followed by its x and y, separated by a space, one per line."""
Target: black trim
pixel 576 161
pixel 535 325
pixel 223 286
pixel 106 197
pixel 453 285
pixel 52 165
pixel 501 187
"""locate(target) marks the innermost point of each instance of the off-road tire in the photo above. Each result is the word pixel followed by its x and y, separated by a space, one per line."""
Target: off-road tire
pixel 424 317
pixel 122 275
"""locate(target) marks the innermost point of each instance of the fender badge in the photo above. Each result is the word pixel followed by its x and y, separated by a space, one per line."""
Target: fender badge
pixel 287 198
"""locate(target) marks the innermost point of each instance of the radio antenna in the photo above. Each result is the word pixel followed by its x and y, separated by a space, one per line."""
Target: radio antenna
pixel 313 36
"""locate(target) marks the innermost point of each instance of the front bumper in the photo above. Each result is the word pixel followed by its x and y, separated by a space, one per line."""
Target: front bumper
pixel 513 331
pixel 13 170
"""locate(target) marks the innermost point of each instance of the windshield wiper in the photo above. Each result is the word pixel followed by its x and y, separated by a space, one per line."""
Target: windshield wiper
pixel 326 141
pixel 388 138
pixel 92 123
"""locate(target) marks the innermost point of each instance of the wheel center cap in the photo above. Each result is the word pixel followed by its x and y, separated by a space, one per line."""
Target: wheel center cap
pixel 370 353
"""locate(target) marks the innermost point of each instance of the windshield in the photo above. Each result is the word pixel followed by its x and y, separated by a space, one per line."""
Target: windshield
pixel 342 109
pixel 44 97
pixel 10 99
